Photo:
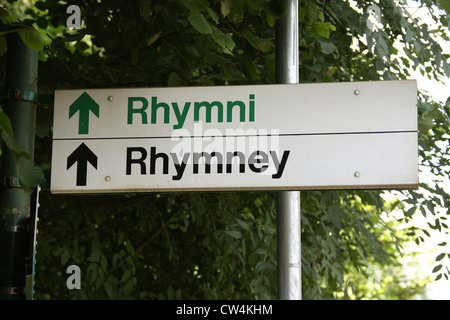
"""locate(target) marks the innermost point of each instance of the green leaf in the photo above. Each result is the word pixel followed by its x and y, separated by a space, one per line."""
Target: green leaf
pixel 445 5
pixel 425 124
pixel 153 38
pixel 248 216
pixel 251 38
pixel 258 43
pixel 234 234
pixel 199 22
pixel 381 45
pixel 29 175
pixel 410 211
pixel 15 147
pixel 262 265
pixel 257 4
pixel 326 47
pixel 321 28
pixel 213 15
pixel 175 80
pixel 32 38
pixel 223 40
pixel 225 7
pixel 313 67
pixel 440 257
pixel 243 224
pixel 430 207
pixel 312 11
pixel 232 248
pixel 446 68
pixel 301 14
pixel 437 268
pixel 5 123
pixel 111 288
pixel 265 45
pixel 250 70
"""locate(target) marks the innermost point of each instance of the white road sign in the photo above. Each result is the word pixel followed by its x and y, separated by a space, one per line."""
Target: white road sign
pixel 355 135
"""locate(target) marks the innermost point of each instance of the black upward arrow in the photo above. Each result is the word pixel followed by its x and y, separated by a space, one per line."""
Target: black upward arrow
pixel 82 155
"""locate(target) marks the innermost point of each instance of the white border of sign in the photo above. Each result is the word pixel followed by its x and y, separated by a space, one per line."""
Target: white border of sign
pixel 356 135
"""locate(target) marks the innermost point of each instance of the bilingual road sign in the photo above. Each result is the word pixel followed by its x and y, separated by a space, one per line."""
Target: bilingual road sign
pixel 353 135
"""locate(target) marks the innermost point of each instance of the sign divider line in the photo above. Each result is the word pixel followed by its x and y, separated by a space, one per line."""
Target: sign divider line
pixel 239 136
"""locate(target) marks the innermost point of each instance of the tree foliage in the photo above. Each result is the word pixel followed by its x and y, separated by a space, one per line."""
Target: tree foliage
pixel 223 245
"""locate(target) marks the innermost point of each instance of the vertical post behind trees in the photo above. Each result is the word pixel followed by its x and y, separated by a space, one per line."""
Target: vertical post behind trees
pixel 288 202
pixel 20 106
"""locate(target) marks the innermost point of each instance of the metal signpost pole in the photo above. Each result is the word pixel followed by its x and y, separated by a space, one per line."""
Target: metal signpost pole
pixel 288 202
pixel 21 81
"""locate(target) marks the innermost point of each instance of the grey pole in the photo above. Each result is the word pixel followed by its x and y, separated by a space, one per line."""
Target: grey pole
pixel 288 202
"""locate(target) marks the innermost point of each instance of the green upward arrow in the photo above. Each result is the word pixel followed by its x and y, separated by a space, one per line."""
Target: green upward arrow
pixel 84 104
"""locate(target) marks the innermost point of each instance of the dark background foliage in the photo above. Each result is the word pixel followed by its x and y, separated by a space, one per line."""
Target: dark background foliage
pixel 223 245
